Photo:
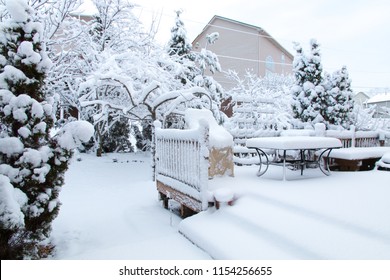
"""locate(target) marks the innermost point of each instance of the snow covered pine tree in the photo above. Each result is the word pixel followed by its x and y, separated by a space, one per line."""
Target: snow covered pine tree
pixel 317 96
pixel 341 105
pixel 309 96
pixel 32 162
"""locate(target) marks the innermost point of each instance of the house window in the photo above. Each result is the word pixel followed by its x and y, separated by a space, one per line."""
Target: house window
pixel 269 65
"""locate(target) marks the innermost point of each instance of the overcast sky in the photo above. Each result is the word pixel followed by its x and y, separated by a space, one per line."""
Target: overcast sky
pixel 355 33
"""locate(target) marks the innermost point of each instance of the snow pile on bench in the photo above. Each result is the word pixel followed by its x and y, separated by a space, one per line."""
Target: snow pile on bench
pixel 359 153
pixel 219 136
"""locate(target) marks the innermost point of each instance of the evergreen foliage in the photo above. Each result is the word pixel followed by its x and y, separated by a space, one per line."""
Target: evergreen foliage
pixel 142 132
pixel 317 96
pixel 33 161
pixel 341 96
pixel 308 94
pixel 179 43
pixel 117 138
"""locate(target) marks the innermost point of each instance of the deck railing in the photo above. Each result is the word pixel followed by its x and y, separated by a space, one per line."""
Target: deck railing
pixel 356 139
pixel 182 165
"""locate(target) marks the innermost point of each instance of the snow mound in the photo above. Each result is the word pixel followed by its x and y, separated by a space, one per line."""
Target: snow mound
pixel 386 158
pixel 72 134
pixel 223 195
pixel 10 146
pixel 219 136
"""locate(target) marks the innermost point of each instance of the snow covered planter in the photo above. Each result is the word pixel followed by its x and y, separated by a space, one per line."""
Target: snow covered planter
pixel 186 159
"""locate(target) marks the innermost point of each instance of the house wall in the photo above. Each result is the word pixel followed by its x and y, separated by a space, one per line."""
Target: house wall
pixel 282 62
pixel 243 47
pixel 236 48
pixel 361 98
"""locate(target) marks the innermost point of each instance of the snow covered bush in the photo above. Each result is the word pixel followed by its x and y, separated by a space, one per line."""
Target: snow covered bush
pixel 32 162
pixel 179 43
pixel 117 138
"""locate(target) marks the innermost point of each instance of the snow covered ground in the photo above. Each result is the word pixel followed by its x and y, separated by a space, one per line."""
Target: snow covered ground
pixel 110 211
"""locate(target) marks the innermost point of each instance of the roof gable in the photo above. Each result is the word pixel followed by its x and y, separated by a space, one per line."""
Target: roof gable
pixel 250 26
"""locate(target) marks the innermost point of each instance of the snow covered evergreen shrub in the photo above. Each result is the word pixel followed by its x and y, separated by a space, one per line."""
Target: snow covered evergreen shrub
pixel 117 138
pixel 179 43
pixel 341 105
pixel 142 132
pixel 32 163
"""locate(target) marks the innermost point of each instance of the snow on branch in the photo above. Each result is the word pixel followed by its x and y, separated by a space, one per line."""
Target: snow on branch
pixel 181 95
pixel 10 146
pixel 147 90
pixel 125 83
pixel 211 38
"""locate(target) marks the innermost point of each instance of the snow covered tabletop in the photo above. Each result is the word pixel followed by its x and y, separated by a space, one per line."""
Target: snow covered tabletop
pixel 294 143
pixel 360 153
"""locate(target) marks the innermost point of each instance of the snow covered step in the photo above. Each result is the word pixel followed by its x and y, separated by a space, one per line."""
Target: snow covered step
pixel 279 230
pixel 311 234
pixel 225 238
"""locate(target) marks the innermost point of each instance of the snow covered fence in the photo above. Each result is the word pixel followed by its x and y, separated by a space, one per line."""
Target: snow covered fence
pixel 182 166
pixel 349 138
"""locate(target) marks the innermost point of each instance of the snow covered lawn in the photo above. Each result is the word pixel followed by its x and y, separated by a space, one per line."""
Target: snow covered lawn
pixel 110 211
